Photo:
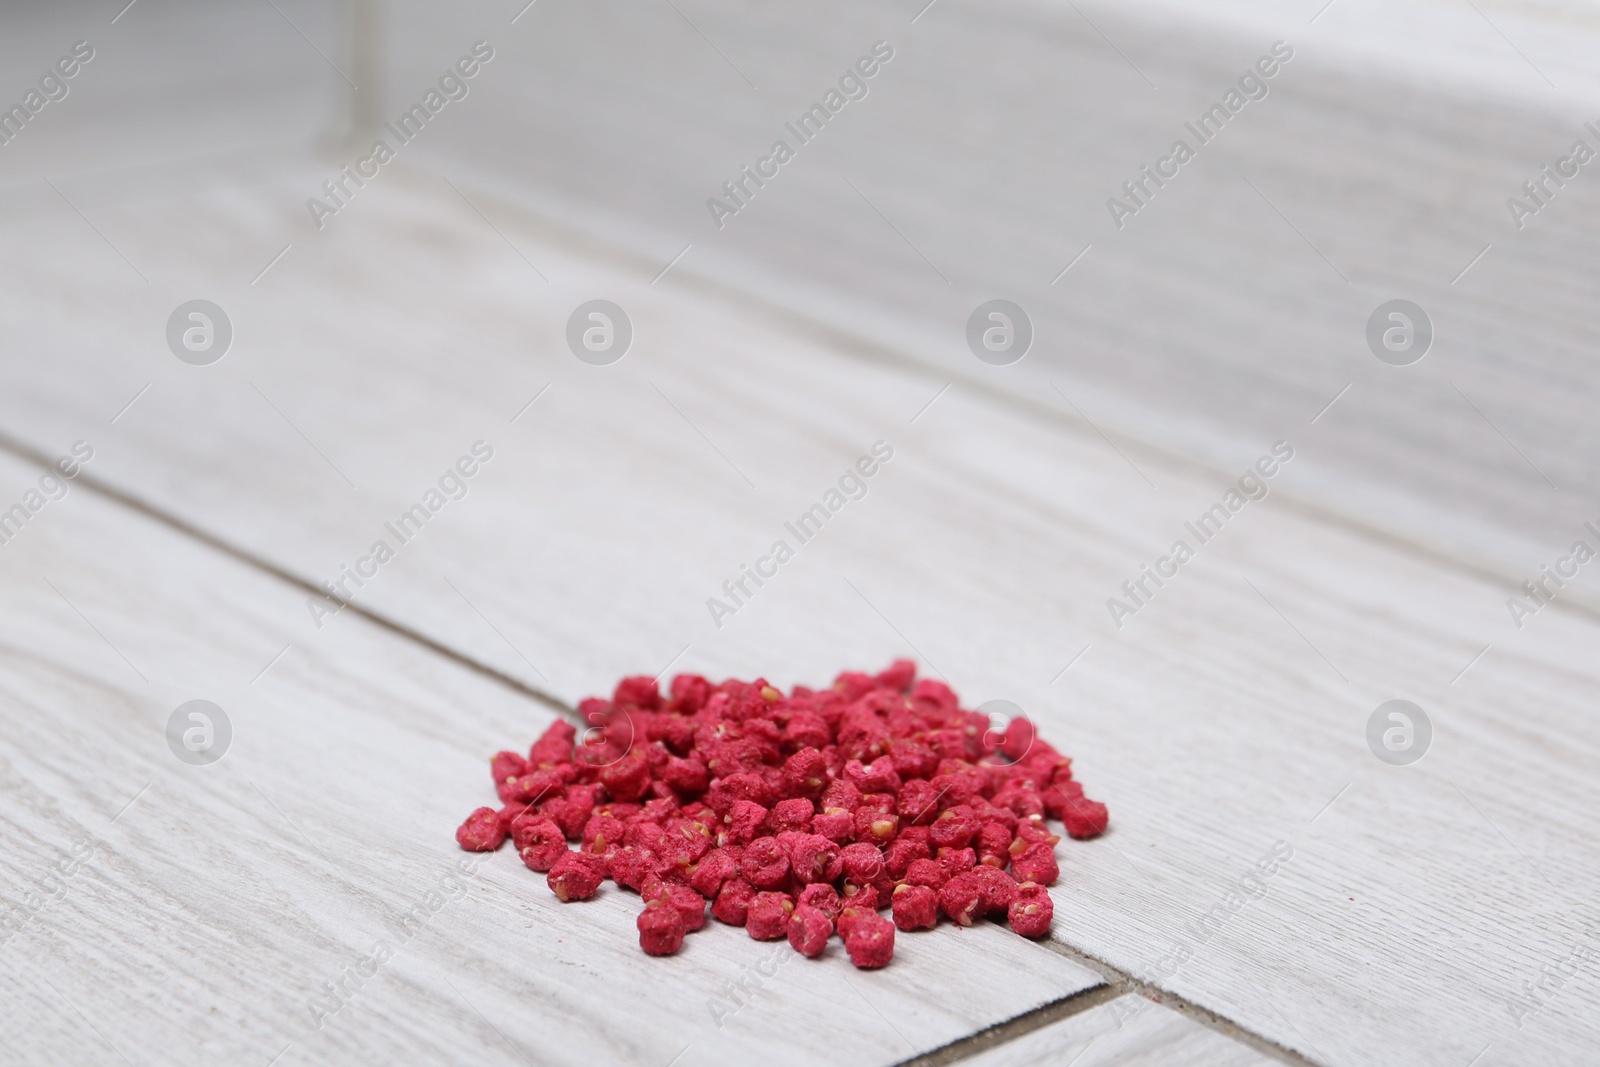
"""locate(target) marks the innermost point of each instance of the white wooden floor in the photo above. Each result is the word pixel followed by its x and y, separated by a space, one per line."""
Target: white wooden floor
pixel 1227 717
pixel 1438 913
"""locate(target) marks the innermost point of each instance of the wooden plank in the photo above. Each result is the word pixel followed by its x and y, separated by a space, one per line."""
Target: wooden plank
pixel 1172 330
pixel 1130 1032
pixel 1227 716
pixel 982 161
pixel 209 905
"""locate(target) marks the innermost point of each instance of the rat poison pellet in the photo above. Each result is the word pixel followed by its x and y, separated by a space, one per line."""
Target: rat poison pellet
pixel 481 832
pixel 801 815
pixel 539 841
pixel 809 930
pixel 916 907
pixel 870 942
pixel 767 918
pixel 1030 911
pixel 661 929
pixel 961 898
pixel 691 905
pixel 574 877
pixel 733 902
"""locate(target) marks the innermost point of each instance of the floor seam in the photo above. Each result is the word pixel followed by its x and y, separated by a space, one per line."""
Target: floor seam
pixel 1116 982
pixel 24 451
pixel 864 347
pixel 1008 1030
pixel 1127 983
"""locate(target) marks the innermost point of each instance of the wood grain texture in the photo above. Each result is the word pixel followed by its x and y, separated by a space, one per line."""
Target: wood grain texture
pixel 1206 323
pixel 1227 716
pixel 215 902
pixel 1129 1032
pixel 981 162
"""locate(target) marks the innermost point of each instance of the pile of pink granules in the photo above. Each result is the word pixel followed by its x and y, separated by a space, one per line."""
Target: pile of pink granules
pixel 799 815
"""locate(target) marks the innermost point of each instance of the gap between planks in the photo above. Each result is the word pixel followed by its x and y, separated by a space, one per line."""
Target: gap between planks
pixel 862 346
pixel 1116 981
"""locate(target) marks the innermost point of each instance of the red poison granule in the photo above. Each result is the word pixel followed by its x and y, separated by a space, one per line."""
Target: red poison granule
pixel 767 918
pixel 916 907
pixel 481 832
pixel 801 815
pixel 870 942
pixel 574 877
pixel 661 929
pixel 1030 910
pixel 809 930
